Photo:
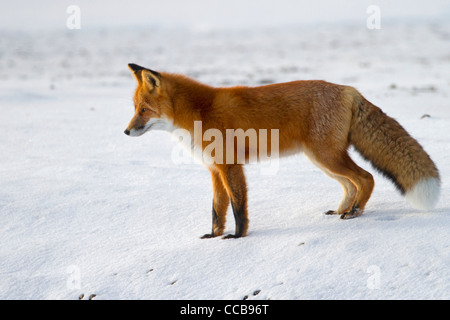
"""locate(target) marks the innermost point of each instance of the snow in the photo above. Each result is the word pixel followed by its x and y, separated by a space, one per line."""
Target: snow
pixel 85 209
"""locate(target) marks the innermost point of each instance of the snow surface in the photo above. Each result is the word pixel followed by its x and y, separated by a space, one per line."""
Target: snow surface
pixel 85 209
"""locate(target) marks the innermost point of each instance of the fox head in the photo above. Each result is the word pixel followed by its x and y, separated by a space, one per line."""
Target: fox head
pixel 151 103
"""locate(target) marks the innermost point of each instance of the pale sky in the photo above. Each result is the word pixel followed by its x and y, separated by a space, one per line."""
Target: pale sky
pixel 31 14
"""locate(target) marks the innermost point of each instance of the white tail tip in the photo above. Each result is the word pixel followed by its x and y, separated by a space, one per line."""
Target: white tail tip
pixel 425 194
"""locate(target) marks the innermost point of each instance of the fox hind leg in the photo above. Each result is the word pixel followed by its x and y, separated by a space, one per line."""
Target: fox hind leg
pixel 362 180
pixel 341 167
pixel 349 194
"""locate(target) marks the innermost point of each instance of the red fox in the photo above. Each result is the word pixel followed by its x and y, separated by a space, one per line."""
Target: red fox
pixel 320 119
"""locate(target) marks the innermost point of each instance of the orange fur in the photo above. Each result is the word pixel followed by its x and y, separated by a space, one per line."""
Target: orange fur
pixel 319 118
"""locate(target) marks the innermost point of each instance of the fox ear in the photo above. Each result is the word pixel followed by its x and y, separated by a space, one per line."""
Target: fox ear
pixel 151 78
pixel 135 68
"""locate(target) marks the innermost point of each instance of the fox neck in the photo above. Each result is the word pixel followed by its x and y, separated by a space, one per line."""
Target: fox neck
pixel 190 100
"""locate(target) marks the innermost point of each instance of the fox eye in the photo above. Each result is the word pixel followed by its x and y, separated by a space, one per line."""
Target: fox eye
pixel 144 110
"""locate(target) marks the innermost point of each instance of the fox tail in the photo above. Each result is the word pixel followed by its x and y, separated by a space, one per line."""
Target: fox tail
pixel 394 153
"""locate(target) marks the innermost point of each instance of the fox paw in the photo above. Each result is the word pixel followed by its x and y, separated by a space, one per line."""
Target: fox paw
pixel 214 233
pixel 331 212
pixel 208 236
pixel 355 212
pixel 230 236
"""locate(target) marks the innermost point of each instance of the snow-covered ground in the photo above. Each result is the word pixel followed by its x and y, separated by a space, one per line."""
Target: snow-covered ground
pixel 85 209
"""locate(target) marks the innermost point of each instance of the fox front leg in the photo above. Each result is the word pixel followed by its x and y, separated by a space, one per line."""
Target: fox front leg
pixel 220 204
pixel 233 179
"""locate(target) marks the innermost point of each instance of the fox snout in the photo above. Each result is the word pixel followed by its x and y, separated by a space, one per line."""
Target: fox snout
pixel 135 132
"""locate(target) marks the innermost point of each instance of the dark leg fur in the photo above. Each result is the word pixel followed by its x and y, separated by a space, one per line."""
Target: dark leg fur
pixel 241 222
pixel 215 224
